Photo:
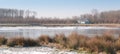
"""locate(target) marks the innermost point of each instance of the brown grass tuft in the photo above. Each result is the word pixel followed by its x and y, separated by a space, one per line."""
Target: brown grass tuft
pixel 44 39
pixel 30 42
pixel 82 41
pixel 73 41
pixel 95 44
pixel 104 43
pixel 20 41
pixel 3 40
pixel 107 36
pixel 15 41
pixel 60 39
pixel 117 44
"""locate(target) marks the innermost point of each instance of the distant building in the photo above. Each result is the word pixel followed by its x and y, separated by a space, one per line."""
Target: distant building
pixel 83 21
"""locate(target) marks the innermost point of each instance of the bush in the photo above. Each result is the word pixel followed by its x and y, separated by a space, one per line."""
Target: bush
pixel 108 37
pixel 44 39
pixel 60 39
pixel 109 48
pixel 20 41
pixel 3 40
pixel 11 42
pixel 82 41
pixel 73 41
pixel 17 41
pixel 95 44
pixel 101 43
pixel 105 43
pixel 30 42
pixel 117 44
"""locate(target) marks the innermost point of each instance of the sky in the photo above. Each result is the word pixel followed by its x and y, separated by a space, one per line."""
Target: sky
pixel 61 8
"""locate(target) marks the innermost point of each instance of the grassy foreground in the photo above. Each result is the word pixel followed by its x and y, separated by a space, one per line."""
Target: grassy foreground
pixel 105 43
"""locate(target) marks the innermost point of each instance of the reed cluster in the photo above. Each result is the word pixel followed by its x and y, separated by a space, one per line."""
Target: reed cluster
pixel 103 43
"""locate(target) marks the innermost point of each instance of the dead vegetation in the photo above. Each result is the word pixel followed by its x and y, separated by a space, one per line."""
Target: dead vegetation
pixel 104 43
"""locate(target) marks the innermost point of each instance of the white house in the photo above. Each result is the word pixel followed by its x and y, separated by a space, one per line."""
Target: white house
pixel 83 21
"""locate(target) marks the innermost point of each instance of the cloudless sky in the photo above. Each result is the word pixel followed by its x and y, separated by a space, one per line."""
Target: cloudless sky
pixel 61 8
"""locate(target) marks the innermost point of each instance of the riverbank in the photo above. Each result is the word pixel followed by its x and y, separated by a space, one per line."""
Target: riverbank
pixel 62 25
pixel 73 42
pixel 100 25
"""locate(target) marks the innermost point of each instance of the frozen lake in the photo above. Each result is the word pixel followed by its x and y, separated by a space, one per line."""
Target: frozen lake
pixel 37 31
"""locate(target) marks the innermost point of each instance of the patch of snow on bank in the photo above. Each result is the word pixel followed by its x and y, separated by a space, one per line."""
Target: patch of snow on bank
pixel 34 50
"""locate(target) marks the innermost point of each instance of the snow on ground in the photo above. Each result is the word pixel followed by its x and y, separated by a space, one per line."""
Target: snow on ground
pixel 34 50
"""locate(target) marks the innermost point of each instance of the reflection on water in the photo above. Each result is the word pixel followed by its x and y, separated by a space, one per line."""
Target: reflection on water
pixel 37 31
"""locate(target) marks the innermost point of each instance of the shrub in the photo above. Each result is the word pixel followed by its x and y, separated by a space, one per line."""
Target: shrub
pixel 30 42
pixel 3 40
pixel 17 41
pixel 109 48
pixel 95 44
pixel 60 39
pixel 44 39
pixel 73 41
pixel 20 41
pixel 11 42
pixel 105 43
pixel 82 40
pixel 108 37
pixel 117 44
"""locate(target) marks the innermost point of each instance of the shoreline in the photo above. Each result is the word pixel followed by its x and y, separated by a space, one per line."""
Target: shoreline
pixel 61 25
pixel 73 42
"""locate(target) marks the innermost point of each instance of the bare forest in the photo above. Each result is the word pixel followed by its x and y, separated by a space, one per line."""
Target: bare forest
pixel 15 16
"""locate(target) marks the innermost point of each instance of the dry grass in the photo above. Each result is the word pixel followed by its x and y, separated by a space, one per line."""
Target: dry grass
pixel 30 42
pixel 94 44
pixel 108 36
pixel 3 40
pixel 60 39
pixel 15 41
pixel 82 41
pixel 73 41
pixel 104 43
pixel 117 44
pixel 21 41
pixel 44 40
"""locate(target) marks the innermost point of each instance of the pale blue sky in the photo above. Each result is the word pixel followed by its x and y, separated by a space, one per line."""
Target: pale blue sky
pixel 61 8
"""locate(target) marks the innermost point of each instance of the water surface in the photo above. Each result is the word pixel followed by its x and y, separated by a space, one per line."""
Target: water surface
pixel 34 32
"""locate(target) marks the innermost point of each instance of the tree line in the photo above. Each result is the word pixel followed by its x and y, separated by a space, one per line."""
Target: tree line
pixel 103 17
pixel 15 13
pixel 28 17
